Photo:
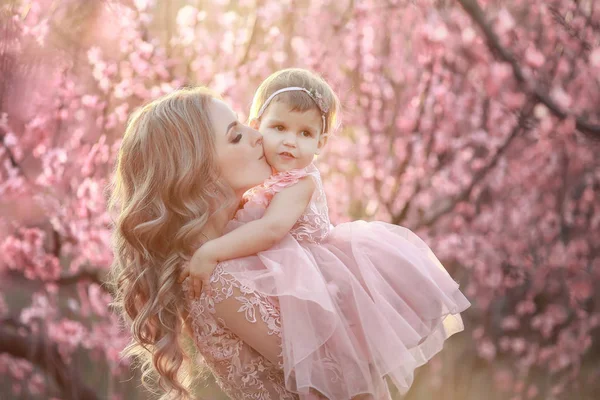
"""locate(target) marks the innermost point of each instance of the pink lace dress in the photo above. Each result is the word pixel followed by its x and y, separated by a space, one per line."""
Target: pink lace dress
pixel 238 335
pixel 328 311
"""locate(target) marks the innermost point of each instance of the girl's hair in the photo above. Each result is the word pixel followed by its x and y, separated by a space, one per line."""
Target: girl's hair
pixel 298 100
pixel 164 188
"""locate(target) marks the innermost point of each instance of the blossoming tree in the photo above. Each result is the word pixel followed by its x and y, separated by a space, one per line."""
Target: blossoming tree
pixel 474 123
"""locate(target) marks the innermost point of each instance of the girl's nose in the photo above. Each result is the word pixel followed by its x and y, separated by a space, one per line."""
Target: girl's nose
pixel 289 140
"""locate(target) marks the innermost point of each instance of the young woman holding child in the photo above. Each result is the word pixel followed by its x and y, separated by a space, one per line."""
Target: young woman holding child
pixel 281 304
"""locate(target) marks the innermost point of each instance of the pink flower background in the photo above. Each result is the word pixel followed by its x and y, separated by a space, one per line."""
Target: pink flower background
pixel 473 123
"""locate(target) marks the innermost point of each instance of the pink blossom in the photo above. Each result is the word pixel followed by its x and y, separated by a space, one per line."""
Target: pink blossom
pixel 503 379
pixel 505 21
pixel 561 97
pixel 518 345
pixel 525 307
pixel 595 58
pixel 534 58
pixel 68 334
pixel 186 16
pixel 3 306
pixel 487 350
pixel 532 392
pixel 143 5
pixel 510 323
pixel 36 384
pixel 426 106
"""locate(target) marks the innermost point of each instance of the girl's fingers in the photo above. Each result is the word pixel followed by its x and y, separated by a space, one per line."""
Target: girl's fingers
pixel 184 274
pixel 197 287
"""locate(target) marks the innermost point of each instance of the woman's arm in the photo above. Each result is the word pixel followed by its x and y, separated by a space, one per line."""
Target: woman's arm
pixel 257 323
pixel 251 323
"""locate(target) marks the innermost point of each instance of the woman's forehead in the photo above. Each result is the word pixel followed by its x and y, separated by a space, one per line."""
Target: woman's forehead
pixel 221 115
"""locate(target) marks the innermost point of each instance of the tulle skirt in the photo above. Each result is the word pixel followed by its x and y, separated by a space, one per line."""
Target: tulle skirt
pixel 370 301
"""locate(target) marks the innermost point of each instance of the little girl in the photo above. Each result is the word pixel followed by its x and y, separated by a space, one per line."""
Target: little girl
pixel 359 301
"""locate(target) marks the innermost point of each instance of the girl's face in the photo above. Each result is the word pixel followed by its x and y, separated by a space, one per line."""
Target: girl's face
pixel 239 150
pixel 290 138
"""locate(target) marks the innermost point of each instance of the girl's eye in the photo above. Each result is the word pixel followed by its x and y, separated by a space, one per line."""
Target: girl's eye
pixel 306 134
pixel 237 138
pixel 279 128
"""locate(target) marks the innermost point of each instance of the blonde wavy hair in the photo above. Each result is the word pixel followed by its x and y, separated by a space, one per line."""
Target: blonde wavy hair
pixel 297 100
pixel 164 189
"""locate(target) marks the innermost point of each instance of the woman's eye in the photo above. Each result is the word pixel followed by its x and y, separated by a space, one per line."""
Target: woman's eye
pixel 237 138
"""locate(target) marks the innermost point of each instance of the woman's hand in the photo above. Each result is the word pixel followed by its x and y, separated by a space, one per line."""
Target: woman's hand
pixel 199 269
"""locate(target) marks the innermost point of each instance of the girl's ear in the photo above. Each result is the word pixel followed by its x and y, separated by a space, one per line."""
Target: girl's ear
pixel 255 123
pixel 322 141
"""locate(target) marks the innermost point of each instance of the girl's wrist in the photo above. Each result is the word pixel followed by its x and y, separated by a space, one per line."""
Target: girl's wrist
pixel 210 250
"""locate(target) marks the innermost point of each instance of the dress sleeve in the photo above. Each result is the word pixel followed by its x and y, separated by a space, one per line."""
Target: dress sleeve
pixel 248 318
pixel 249 315
pixel 282 180
pixel 259 197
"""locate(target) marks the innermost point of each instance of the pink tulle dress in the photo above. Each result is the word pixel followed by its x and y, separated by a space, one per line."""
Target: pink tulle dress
pixel 358 302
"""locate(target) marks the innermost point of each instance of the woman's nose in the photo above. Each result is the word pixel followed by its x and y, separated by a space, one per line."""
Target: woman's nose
pixel 256 138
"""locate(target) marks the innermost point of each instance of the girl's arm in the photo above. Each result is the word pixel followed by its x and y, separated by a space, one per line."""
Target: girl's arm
pixel 255 236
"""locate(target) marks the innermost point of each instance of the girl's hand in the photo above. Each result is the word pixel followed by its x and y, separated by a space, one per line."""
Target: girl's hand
pixel 199 269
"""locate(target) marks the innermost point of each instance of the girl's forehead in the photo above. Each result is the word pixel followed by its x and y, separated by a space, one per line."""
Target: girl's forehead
pixel 289 111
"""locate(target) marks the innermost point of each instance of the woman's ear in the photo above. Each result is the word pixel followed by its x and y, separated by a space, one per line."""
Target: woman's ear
pixel 255 123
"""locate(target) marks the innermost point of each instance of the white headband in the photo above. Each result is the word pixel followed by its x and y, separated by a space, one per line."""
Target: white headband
pixel 316 96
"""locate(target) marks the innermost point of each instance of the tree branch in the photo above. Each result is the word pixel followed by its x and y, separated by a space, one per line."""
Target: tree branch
pixel 588 16
pixel 531 87
pixel 520 127
pixel 338 26
pixel 401 169
pixel 345 18
pixel 570 30
pixel 40 351
pixel 84 275
pixel 11 156
pixel 252 39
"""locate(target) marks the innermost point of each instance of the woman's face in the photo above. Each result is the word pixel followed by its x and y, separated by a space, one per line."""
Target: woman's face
pixel 239 150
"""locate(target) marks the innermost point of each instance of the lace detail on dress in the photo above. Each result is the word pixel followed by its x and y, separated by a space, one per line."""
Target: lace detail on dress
pixel 240 371
pixel 313 225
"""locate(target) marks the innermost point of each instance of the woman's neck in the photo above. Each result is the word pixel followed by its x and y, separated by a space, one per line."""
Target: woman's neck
pixel 215 226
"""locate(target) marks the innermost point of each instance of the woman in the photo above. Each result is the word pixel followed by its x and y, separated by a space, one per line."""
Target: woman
pixel 183 165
